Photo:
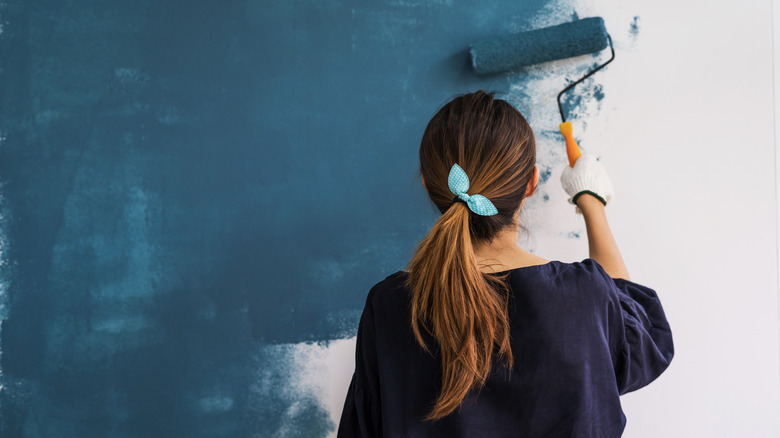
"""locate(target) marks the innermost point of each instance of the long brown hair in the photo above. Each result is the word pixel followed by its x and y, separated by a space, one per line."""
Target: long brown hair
pixel 464 309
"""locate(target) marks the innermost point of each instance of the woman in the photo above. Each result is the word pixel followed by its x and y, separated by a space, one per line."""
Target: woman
pixel 479 338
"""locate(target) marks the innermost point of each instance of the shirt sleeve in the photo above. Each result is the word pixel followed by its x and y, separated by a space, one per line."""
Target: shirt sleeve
pixel 640 337
pixel 361 416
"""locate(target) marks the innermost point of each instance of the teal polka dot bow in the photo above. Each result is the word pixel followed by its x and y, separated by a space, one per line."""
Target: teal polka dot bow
pixel 459 184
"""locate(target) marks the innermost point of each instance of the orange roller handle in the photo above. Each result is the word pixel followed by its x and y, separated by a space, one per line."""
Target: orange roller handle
pixel 572 149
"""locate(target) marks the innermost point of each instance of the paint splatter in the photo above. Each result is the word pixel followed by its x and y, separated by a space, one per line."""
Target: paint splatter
pixel 598 92
pixel 583 99
pixel 544 175
pixel 634 27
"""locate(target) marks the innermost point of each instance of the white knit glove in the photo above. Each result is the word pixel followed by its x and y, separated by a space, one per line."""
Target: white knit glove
pixel 587 176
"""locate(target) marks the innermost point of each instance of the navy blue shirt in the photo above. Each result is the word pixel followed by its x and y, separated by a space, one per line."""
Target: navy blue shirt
pixel 580 339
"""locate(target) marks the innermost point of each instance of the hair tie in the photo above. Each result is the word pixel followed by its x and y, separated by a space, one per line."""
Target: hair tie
pixel 459 184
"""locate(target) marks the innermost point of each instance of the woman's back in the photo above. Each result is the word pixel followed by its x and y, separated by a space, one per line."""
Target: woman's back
pixel 579 340
pixel 446 349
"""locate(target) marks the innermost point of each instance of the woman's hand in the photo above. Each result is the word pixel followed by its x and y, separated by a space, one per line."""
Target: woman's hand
pixel 587 176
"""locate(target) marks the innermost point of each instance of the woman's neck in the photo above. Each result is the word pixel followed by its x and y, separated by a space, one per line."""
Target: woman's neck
pixel 502 253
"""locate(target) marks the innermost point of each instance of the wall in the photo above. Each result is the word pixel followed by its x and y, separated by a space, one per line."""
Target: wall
pixel 196 197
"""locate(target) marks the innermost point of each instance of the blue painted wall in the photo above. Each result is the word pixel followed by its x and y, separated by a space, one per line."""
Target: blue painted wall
pixel 185 181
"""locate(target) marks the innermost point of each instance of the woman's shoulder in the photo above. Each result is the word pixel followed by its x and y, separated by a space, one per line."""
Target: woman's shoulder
pixel 585 268
pixel 584 279
pixel 393 281
pixel 393 286
pixel 559 270
pixel 588 270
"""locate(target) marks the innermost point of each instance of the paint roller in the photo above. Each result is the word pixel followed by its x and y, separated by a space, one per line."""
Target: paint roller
pixel 567 40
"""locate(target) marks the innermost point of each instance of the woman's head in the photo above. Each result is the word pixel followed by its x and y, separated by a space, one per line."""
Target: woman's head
pixel 464 309
pixel 494 145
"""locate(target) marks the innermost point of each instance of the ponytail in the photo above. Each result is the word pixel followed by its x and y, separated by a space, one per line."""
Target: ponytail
pixel 462 308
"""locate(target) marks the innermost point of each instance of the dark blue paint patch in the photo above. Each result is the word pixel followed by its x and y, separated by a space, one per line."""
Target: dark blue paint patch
pixel 191 181
pixel 546 197
pixel 573 235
